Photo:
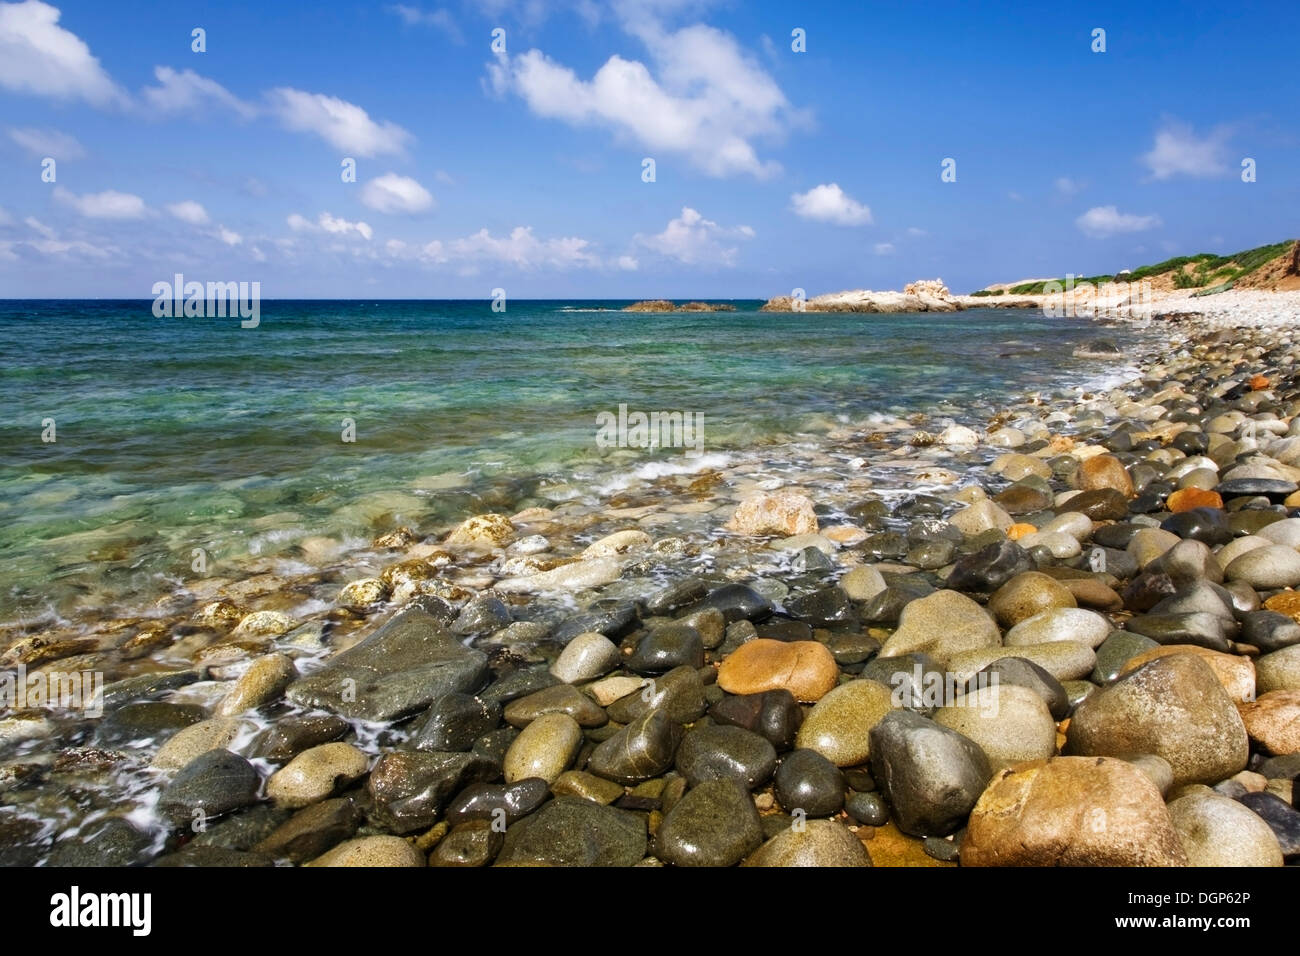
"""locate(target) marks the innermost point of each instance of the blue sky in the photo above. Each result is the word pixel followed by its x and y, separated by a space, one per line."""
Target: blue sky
pixel 523 169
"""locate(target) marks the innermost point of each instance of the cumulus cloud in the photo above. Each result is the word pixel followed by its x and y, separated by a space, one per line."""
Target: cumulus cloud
pixel 39 56
pixel 229 236
pixel 184 91
pixel 523 250
pixel 705 99
pixel 343 125
pixel 1178 151
pixel 326 223
pixel 391 193
pixel 109 204
pixel 1100 222
pixel 520 248
pixel 694 240
pixel 46 142
pixel 189 211
pixel 829 203
pixel 883 248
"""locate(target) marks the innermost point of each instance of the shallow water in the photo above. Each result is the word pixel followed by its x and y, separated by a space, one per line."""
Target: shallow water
pixel 176 434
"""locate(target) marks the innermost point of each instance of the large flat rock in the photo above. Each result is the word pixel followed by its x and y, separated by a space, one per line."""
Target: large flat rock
pixel 401 668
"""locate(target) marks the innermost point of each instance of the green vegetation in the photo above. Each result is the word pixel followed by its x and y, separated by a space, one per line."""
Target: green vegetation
pixel 1038 288
pixel 989 292
pixel 1207 270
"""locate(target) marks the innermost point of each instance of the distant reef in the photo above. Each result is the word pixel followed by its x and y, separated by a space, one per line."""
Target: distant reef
pixel 664 305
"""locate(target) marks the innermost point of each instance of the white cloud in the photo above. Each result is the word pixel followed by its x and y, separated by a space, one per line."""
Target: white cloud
pixel 229 236
pixel 916 232
pixel 1067 186
pixel 187 92
pixel 39 227
pixel 1099 222
pixel 706 100
pixel 829 203
pixel 47 142
pixel 628 263
pixel 520 249
pixel 189 211
pixel 524 250
pixel 883 248
pixel 692 239
pixel 39 56
pixel 110 204
pixel 1178 151
pixel 391 193
pixel 343 125
pixel 440 18
pixel 329 224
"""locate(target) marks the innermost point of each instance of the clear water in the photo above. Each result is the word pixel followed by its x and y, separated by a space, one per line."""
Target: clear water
pixel 173 434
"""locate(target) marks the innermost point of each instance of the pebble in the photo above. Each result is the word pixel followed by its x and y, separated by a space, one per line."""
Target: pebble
pixel 714 824
pixel 1011 724
pixel 213 783
pixel 839 725
pixel 569 831
pixel 1216 831
pixel 727 752
pixel 316 774
pixel 809 782
pixel 942 624
pixel 1071 811
pixel 930 775
pixel 1027 594
pixel 372 851
pixel 1173 707
pixel 1060 624
pixel 819 843
pixel 545 748
pixel 643 749
pixel 263 682
pixel 1273 721
pixel 804 668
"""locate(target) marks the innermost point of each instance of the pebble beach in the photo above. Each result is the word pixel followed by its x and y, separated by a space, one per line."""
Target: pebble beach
pixel 1065 634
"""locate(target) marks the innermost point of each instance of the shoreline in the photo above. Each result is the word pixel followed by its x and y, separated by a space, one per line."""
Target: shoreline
pixel 502 592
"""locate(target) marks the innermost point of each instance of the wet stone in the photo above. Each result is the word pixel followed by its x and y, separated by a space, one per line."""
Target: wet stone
pixel 402 668
pixel 725 752
pixel 736 602
pixel 146 720
pixel 715 824
pixel 410 788
pixel 110 842
pixel 213 783
pixel 487 801
pixel 775 714
pixel 666 647
pixel 573 832
pixel 808 781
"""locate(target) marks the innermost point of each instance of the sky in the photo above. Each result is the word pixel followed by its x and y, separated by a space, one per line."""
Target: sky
pixel 635 148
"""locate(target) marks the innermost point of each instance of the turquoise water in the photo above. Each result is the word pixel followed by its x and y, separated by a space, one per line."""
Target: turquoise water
pixel 194 432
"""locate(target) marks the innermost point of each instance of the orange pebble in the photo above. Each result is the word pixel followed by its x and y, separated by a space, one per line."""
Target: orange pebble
pixel 1018 531
pixel 1288 603
pixel 1258 382
pixel 1185 499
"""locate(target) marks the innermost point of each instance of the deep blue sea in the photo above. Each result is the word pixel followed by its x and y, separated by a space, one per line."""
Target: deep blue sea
pixel 178 433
